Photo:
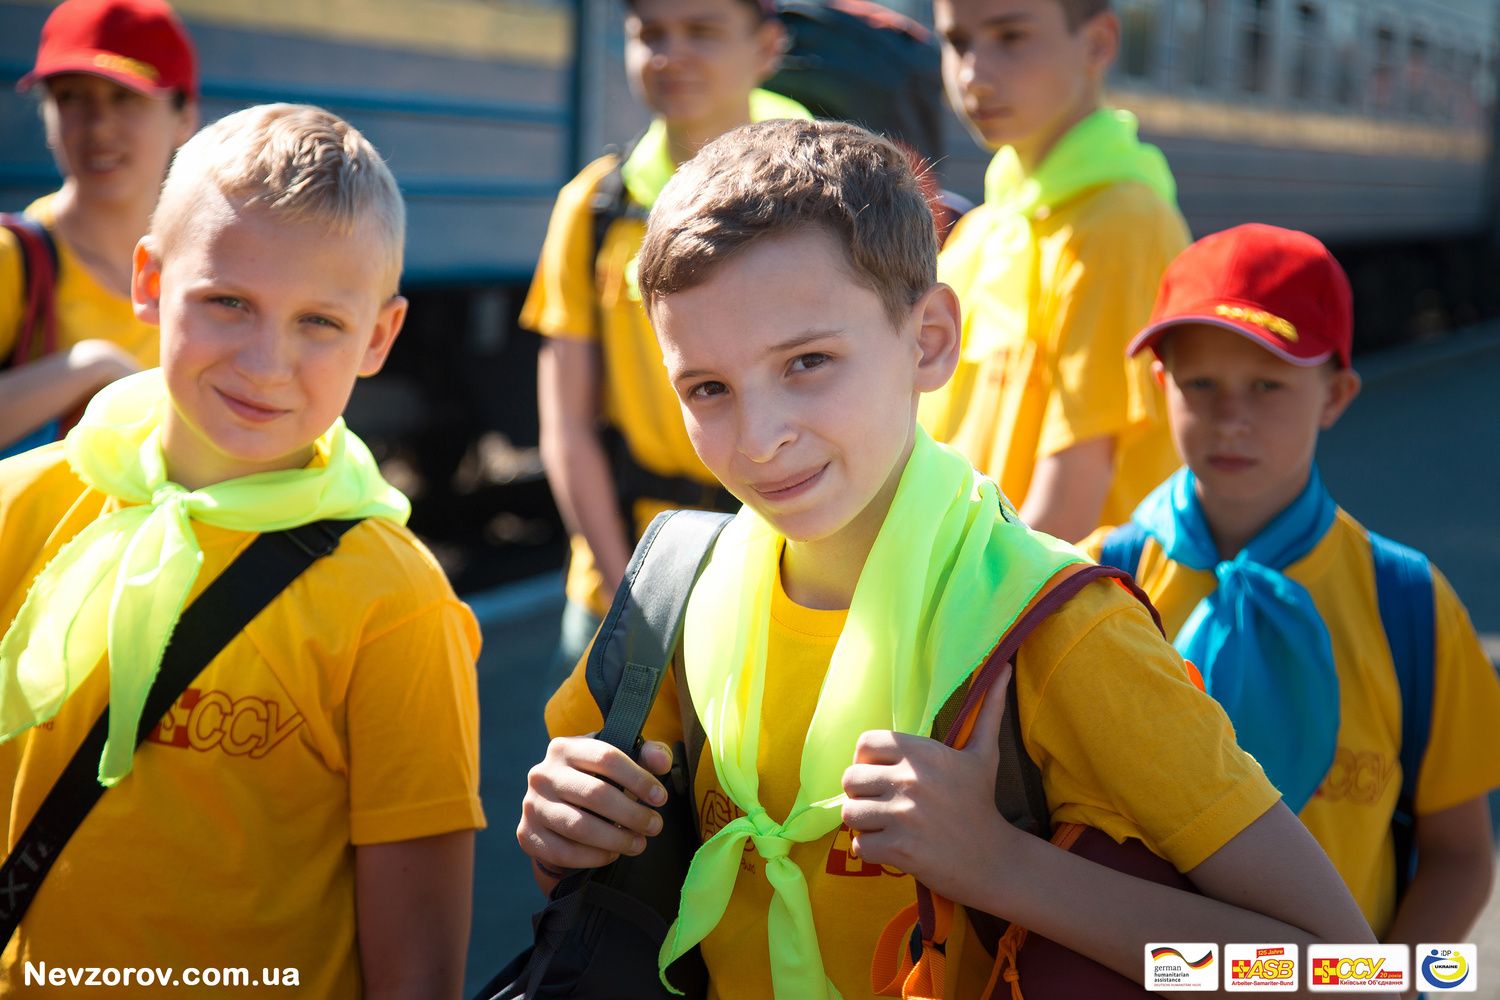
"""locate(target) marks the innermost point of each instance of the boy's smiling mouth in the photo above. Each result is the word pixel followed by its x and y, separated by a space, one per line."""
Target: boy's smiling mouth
pixel 249 410
pixel 792 486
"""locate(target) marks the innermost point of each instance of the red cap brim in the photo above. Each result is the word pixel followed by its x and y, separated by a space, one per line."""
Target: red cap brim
pixel 88 62
pixel 1263 338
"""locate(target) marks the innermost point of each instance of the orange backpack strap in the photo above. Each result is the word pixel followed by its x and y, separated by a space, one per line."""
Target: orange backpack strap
pixel 917 970
pixel 37 336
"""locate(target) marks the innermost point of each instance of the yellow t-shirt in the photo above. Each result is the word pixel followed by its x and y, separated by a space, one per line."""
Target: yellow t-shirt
pixel 573 296
pixel 1123 740
pixel 86 310
pixel 1350 814
pixel 1066 379
pixel 344 714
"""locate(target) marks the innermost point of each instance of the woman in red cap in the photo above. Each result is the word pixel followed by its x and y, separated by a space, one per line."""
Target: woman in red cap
pixel 119 88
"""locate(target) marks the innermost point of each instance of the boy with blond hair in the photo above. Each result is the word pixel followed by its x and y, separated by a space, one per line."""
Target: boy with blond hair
pixel 1295 613
pixel 868 575
pixel 1056 269
pixel 118 88
pixel 308 803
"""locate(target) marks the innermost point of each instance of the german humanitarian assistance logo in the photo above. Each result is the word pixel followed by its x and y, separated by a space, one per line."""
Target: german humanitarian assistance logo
pixel 1451 968
pixel 1175 966
pixel 1261 968
pixel 1362 968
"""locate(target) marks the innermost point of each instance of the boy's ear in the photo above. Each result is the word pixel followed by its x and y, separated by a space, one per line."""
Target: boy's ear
pixel 1343 387
pixel 387 325
pixel 188 120
pixel 772 41
pixel 1159 372
pixel 939 336
pixel 145 282
pixel 1101 39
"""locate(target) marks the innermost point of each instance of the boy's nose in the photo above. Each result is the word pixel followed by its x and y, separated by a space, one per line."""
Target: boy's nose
pixel 264 356
pixel 763 431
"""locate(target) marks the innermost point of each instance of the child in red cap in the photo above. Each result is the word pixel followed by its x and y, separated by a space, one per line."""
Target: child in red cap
pixel 1346 662
pixel 118 84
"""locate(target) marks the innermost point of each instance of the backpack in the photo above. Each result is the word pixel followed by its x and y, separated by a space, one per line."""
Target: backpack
pixel 37 335
pixel 1404 595
pixel 600 931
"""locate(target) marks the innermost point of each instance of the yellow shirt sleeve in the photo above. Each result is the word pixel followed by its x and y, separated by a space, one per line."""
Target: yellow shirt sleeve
pixel 12 299
pixel 1124 740
pixel 1463 745
pixel 1103 285
pixel 413 728
pixel 563 301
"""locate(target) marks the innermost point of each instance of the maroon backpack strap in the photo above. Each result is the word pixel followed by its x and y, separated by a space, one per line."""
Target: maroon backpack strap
pixel 37 336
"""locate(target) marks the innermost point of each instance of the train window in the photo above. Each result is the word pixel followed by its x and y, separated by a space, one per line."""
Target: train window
pixel 1197 24
pixel 1382 92
pixel 1138 20
pixel 1309 54
pixel 1418 76
pixel 1255 46
pixel 1343 35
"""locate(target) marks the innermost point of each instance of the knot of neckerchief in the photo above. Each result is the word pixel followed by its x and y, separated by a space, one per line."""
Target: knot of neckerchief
pixel 1258 638
pixel 119 586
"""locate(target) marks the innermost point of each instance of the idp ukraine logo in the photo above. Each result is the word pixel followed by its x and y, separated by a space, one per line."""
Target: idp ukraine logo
pixel 1448 967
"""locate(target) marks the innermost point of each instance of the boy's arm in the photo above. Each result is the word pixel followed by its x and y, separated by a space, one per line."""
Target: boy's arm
pixel 50 387
pixel 568 386
pixel 929 810
pixel 1067 492
pixel 1455 869
pixel 412 904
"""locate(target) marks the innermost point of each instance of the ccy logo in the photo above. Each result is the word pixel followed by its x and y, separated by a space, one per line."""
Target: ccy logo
pixel 1373 967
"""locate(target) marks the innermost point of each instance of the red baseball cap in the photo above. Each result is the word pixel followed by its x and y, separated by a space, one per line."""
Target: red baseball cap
pixel 1279 287
pixel 140 44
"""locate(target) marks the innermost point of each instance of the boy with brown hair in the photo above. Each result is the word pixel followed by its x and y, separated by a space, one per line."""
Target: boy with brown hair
pixel 790 273
pixel 118 84
pixel 1345 660
pixel 612 439
pixel 307 804
pixel 1057 269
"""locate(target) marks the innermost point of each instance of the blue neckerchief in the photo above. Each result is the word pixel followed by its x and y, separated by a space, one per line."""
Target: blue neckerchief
pixel 1258 639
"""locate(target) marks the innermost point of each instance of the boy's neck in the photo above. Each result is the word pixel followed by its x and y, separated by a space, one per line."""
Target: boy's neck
pixel 1033 151
pixel 1233 524
pixel 102 234
pixel 193 464
pixel 685 138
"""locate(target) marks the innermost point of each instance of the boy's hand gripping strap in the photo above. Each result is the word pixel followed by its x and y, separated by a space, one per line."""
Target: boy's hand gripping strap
pixel 266 568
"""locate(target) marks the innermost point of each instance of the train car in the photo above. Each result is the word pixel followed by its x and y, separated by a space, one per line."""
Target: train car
pixel 1368 122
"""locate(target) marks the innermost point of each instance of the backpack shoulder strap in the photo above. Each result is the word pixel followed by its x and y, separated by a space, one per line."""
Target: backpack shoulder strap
pixel 266 567
pixel 1404 594
pixel 39 268
pixel 638 637
pixel 610 201
pixel 1123 547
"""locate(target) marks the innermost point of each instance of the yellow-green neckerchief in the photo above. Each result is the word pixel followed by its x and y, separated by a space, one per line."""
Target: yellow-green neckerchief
pixel 650 164
pixel 120 584
pixel 950 571
pixel 997 282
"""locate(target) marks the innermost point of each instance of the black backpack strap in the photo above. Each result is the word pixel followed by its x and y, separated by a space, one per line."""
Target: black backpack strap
pixel 266 567
pixel 37 335
pixel 633 650
pixel 610 201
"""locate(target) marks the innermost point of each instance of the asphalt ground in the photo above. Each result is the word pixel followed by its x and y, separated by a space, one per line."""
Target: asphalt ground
pixel 1417 458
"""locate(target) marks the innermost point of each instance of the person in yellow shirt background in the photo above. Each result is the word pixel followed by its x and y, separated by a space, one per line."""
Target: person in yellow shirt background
pixel 612 439
pixel 119 89
pixel 1056 269
pixel 869 573
pixel 1303 622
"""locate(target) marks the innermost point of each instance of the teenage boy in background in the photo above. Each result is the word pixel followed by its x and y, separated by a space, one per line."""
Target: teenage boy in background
pixel 1057 269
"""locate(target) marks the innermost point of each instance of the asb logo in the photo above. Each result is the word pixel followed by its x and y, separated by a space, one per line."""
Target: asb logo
pixel 1174 966
pixel 1336 968
pixel 1452 968
pixel 1260 968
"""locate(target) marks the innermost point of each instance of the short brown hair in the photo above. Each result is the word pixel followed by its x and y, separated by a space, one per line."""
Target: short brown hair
pixel 1079 11
pixel 778 177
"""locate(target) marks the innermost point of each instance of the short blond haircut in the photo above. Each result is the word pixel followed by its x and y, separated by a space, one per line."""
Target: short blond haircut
pixel 299 162
pixel 774 178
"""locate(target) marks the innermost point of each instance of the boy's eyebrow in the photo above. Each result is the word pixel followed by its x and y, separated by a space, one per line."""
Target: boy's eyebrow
pixel 1006 20
pixel 790 344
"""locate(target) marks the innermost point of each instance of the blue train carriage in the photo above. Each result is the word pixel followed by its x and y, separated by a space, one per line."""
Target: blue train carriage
pixel 1369 123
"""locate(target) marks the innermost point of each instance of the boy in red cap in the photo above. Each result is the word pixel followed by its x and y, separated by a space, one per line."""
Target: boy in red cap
pixel 119 88
pixel 1346 662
